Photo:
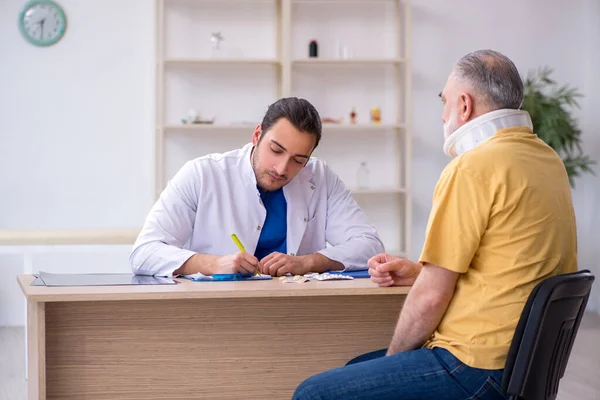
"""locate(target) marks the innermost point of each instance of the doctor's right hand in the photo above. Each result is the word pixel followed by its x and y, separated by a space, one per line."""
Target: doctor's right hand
pixel 388 270
pixel 238 263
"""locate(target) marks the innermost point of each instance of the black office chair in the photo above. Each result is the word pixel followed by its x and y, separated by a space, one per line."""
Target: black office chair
pixel 542 343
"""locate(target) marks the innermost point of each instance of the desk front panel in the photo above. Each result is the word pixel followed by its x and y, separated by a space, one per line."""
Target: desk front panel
pixel 256 348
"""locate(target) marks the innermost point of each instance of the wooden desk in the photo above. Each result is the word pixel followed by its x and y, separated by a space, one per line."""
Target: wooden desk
pixel 209 340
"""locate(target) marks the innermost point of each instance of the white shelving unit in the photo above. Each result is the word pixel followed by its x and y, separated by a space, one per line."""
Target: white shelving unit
pixel 264 56
pixel 232 61
pixel 366 61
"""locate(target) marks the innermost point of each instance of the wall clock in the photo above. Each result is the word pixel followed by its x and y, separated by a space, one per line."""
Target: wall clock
pixel 42 22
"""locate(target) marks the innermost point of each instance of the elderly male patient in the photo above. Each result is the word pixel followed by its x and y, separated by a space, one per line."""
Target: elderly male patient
pixel 502 220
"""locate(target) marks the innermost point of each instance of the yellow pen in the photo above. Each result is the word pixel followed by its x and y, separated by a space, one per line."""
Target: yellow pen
pixel 240 246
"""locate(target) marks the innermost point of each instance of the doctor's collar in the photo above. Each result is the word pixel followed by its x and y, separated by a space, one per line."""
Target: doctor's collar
pixel 267 193
pixel 247 163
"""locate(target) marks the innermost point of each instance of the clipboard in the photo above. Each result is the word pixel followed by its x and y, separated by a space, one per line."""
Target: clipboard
pixel 101 279
pixel 226 277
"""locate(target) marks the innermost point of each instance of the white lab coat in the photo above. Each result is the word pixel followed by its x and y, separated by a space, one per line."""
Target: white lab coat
pixel 213 196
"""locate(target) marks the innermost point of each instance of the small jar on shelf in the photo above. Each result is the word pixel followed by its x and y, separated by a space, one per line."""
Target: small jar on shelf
pixel 375 116
pixel 353 116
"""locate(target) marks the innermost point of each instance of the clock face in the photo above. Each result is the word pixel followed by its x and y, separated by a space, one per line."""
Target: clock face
pixel 42 22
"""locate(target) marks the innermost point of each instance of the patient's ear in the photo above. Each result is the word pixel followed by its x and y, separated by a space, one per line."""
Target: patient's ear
pixel 465 107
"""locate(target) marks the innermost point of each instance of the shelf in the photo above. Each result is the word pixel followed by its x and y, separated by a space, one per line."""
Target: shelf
pixel 266 2
pixel 268 61
pixel 326 127
pixel 209 127
pixel 351 61
pixel 358 127
pixel 221 61
pixel 68 237
pixel 343 1
pixel 193 77
pixel 383 190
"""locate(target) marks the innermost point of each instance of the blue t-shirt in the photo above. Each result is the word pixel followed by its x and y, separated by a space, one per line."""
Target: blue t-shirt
pixel 273 237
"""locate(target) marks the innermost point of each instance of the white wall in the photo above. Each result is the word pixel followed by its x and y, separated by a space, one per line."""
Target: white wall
pixel 77 118
pixel 98 85
pixel 76 140
pixel 587 195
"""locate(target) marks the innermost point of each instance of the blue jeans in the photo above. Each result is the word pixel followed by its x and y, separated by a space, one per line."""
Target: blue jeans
pixel 420 374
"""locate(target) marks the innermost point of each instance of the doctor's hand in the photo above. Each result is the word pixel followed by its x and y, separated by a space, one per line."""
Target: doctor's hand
pixel 238 263
pixel 388 270
pixel 278 264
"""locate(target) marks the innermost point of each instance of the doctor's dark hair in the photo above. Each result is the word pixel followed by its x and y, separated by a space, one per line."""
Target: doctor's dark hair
pixel 299 112
pixel 494 78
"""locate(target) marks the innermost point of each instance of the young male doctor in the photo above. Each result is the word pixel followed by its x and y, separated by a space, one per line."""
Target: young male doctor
pixel 283 205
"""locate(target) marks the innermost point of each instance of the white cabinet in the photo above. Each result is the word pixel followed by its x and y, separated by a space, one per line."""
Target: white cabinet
pixel 363 63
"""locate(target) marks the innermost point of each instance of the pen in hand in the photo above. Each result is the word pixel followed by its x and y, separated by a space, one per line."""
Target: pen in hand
pixel 240 246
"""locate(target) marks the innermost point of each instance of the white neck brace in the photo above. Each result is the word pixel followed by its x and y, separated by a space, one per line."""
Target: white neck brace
pixel 477 131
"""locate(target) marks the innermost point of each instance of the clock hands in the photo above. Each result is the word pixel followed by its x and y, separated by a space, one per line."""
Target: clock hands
pixel 42 27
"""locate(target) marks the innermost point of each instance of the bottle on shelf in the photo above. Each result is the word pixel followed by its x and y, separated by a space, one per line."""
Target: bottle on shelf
pixel 362 176
pixel 313 49
pixel 343 52
pixel 353 116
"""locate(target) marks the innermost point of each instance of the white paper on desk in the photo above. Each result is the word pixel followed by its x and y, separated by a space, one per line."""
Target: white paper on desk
pixel 198 276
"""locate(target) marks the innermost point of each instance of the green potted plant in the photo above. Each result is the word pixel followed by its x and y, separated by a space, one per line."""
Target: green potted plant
pixel 549 107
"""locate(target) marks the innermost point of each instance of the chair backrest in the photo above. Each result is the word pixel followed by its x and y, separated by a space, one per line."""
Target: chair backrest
pixel 544 336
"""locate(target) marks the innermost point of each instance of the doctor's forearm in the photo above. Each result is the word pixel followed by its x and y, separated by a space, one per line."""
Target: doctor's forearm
pixel 203 263
pixel 317 262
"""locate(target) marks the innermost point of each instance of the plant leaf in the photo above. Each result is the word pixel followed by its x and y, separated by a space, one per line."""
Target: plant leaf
pixel 550 108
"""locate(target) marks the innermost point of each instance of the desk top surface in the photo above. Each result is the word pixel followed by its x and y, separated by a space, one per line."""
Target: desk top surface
pixel 187 289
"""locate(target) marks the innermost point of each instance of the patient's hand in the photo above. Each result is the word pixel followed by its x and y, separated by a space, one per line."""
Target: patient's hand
pixel 279 264
pixel 388 270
